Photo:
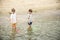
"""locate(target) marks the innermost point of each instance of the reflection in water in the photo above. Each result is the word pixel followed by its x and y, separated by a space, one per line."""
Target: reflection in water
pixel 13 34
pixel 29 33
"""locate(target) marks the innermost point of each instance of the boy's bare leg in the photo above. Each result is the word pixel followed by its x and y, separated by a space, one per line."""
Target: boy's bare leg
pixel 29 28
pixel 14 27
pixel 13 31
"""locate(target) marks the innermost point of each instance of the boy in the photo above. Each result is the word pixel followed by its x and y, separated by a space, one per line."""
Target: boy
pixel 29 19
pixel 13 19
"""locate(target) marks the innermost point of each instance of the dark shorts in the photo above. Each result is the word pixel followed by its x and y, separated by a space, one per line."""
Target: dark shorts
pixel 29 23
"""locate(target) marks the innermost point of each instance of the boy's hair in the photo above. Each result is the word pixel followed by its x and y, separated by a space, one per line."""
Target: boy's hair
pixel 13 10
pixel 30 10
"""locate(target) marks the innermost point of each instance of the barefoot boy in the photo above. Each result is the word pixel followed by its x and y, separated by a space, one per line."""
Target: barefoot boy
pixel 13 19
pixel 29 18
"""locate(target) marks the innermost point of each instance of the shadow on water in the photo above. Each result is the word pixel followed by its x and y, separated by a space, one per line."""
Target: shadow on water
pixel 13 34
pixel 58 38
pixel 1 38
pixel 0 33
pixel 29 32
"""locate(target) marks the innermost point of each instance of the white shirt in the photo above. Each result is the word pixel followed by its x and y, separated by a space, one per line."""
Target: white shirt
pixel 13 18
pixel 29 17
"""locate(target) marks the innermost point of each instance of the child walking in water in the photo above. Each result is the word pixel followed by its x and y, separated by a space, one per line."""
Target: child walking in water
pixel 13 19
pixel 29 19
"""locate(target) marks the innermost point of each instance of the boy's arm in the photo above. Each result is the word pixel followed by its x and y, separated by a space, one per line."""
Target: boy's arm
pixel 28 16
pixel 10 18
pixel 10 13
